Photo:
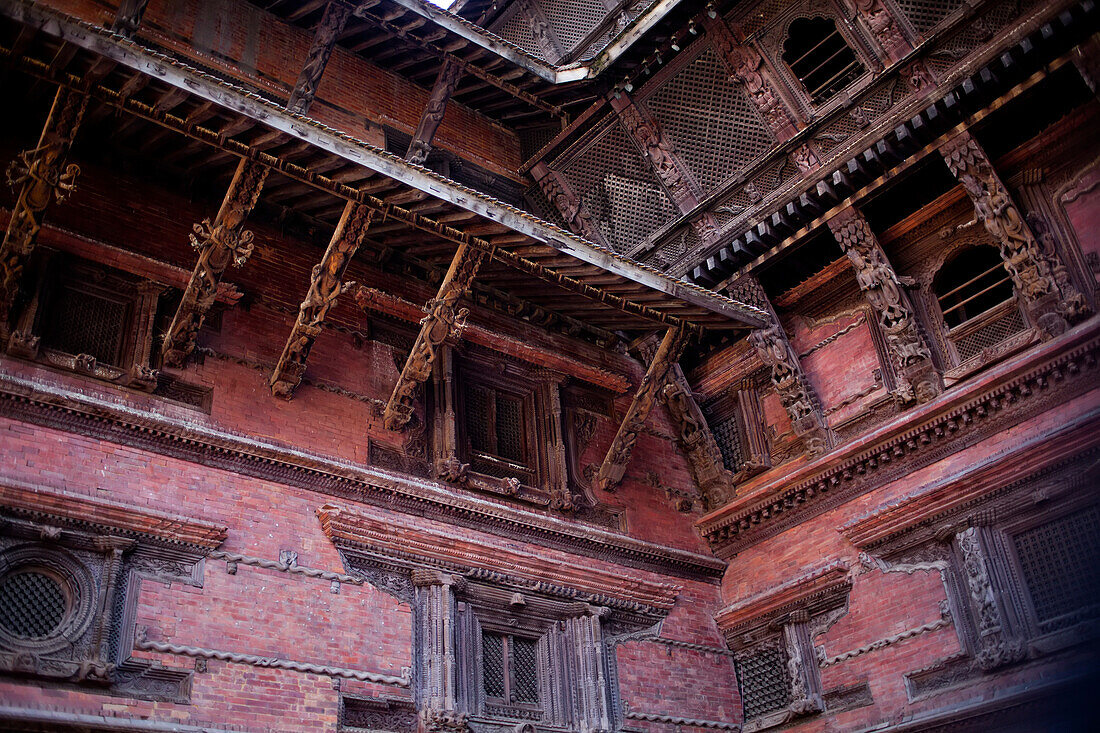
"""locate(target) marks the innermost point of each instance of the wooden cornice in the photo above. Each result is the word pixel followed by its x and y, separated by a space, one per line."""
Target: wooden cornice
pixel 1036 381
pixel 812 592
pixel 115 517
pixel 938 500
pixel 407 542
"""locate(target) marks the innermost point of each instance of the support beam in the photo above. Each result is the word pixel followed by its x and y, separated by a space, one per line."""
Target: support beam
pixel 618 455
pixel 325 287
pixel 445 84
pixel 795 393
pixel 883 26
pixel 1051 301
pixel 444 321
pixel 714 480
pixel 225 240
pixel 560 195
pixel 324 39
pixel 908 348
pixel 41 174
pixel 659 152
pixel 128 17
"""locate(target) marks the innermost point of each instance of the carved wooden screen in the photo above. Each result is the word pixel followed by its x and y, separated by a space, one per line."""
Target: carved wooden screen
pixel 509 669
pixel 82 321
pixel 764 683
pixel 1059 561
pixel 517 30
pixel 573 20
pixel 726 424
pixel 498 424
pixel 33 604
pixel 713 124
pixel 924 15
pixel 618 188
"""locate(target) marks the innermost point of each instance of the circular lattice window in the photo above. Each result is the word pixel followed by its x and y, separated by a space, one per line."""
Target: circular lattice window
pixel 33 604
pixel 45 598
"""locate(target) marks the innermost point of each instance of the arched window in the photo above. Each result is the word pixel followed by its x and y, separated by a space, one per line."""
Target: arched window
pixel 820 57
pixel 971 284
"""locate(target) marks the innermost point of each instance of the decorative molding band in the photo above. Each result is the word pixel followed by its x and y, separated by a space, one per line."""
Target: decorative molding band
pixel 38 502
pixel 84 413
pixel 1049 375
pixel 859 321
pixel 234 559
pixel 694 647
pixel 677 720
pixel 882 643
pixel 821 587
pixel 274 663
pixel 387 538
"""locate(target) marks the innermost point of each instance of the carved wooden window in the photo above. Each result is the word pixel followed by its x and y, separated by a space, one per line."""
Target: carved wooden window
pixel 818 54
pixel 725 424
pixel 976 301
pixel 509 669
pixel 85 319
pixel 736 421
pixel 765 684
pixel 499 431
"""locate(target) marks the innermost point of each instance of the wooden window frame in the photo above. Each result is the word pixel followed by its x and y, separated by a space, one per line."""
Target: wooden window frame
pixel 508 662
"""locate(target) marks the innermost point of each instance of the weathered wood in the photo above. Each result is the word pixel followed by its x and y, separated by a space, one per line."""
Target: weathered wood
pixel 326 286
pixel 324 38
pixel 445 320
pixel 918 378
pixel 445 84
pixel 715 482
pixel 794 391
pixel 41 174
pixel 659 152
pixel 1040 278
pixel 618 455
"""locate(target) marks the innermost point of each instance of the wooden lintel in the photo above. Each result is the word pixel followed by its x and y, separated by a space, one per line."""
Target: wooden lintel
pixel 618 455
pixel 445 320
pixel 326 285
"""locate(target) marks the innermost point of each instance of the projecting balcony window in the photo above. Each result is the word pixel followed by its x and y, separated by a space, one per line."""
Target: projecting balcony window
pixel 820 57
pixel 976 300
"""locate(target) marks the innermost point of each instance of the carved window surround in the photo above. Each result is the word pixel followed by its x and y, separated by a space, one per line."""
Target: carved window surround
pixel 458 592
pixel 772 634
pixel 90 557
pixel 1050 374
pixel 970 526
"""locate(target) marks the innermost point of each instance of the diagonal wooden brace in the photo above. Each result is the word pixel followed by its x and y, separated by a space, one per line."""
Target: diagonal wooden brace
pixel 444 321
pixel 326 285
pixel 41 174
pixel 618 455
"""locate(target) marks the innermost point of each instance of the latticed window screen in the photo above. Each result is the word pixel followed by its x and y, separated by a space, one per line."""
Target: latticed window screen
pixel 619 189
pixel 479 418
pixel 764 684
pixel 820 57
pixel 495 423
pixel 1061 566
pixel 925 15
pixel 716 129
pixel 991 334
pixel 79 322
pixel 573 20
pixel 757 15
pixel 32 604
pixel 728 437
pixel 509 668
pixel 517 29
pixel 509 427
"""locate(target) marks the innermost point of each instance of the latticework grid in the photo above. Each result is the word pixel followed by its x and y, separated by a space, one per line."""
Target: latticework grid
pixel 517 30
pixel 1059 561
pixel 764 685
pixel 492 664
pixel 479 419
pixel 989 335
pixel 32 604
pixel 619 189
pixel 758 15
pixel 925 15
pixel 525 670
pixel 509 428
pixel 728 438
pixel 716 129
pixel 83 323
pixel 572 20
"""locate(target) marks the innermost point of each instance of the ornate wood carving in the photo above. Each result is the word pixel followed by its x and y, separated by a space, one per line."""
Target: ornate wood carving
pixel 444 321
pixel 142 376
pixel 790 384
pixel 883 26
pixel 326 286
pixel 219 242
pixel 445 83
pixel 1051 305
pixel 912 359
pixel 746 67
pixel 128 17
pixel 997 645
pixel 40 174
pixel 572 209
pixel 324 38
pixel 658 150
pixel 618 455
pixel 715 482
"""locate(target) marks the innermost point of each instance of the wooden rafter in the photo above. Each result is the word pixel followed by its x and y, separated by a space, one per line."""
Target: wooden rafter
pixel 618 455
pixel 444 87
